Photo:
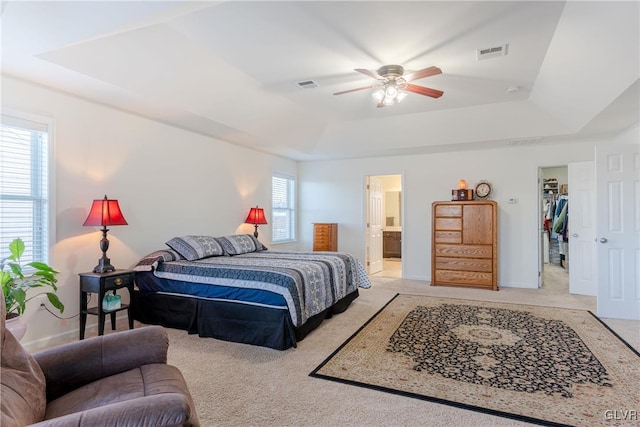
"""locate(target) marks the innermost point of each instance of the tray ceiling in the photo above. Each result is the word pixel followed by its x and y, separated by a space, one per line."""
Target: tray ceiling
pixel 231 70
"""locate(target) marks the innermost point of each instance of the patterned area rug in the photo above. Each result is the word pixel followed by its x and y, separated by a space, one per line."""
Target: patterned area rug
pixel 543 365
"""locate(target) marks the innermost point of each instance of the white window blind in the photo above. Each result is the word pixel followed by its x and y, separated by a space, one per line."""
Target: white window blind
pixel 24 187
pixel 283 212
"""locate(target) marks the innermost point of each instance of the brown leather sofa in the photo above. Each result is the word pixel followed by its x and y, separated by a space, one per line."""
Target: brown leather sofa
pixel 118 379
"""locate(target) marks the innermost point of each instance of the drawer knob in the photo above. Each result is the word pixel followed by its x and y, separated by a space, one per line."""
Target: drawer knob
pixel 118 281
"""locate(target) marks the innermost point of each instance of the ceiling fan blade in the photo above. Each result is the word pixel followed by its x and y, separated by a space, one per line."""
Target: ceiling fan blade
pixel 434 93
pixel 368 73
pixel 420 74
pixel 353 90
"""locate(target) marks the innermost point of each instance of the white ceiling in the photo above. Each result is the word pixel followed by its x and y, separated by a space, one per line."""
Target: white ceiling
pixel 230 69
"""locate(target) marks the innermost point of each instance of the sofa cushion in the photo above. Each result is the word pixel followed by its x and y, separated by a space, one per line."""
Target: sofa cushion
pixel 148 380
pixel 195 247
pixel 23 385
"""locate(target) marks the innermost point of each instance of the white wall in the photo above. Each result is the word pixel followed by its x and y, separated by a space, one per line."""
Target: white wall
pixel 168 181
pixel 333 191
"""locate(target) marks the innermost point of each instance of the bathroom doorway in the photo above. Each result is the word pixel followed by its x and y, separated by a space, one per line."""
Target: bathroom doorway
pixel 384 222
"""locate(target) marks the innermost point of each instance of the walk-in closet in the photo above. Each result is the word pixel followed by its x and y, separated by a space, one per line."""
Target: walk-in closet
pixel 555 219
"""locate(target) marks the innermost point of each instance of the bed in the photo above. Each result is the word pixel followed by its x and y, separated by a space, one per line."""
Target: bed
pixel 233 288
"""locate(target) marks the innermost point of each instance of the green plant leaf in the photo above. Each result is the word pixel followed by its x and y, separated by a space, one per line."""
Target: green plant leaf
pixel 41 266
pixel 16 247
pixel 19 299
pixel 53 299
pixel 16 269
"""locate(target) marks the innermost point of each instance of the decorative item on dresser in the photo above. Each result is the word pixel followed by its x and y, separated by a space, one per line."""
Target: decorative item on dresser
pixel 462 193
pixel 483 190
pixel 325 236
pixel 464 249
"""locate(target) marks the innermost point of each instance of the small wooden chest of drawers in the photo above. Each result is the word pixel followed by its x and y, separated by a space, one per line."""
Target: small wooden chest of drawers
pixel 325 237
pixel 465 244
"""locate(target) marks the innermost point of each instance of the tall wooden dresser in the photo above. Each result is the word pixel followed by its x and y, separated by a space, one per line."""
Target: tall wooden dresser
pixel 464 249
pixel 325 236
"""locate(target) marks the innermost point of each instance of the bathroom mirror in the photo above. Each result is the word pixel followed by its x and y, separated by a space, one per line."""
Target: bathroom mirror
pixel 392 212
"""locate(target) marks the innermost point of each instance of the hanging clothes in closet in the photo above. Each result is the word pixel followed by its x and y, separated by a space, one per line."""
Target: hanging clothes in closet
pixel 560 229
pixel 548 212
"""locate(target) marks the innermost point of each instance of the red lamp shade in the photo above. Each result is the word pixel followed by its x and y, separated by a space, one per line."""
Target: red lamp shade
pixel 104 212
pixel 255 217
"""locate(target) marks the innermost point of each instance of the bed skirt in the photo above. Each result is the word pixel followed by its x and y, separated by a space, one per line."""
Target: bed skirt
pixel 229 321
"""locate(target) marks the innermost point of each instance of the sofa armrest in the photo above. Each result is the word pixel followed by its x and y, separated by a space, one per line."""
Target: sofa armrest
pixel 160 410
pixel 69 366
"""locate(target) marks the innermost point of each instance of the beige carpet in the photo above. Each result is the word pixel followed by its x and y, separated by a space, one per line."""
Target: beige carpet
pixel 539 364
pixel 241 385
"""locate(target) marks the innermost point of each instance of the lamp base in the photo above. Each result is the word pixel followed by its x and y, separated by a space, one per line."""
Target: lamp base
pixel 104 266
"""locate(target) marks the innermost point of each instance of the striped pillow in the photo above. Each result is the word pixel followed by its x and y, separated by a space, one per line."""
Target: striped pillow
pixel 238 244
pixel 196 247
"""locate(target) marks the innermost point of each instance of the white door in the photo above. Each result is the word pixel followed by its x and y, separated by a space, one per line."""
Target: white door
pixel 618 230
pixel 582 228
pixel 375 224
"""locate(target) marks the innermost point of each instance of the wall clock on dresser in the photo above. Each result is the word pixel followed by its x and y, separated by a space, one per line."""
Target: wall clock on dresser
pixel 464 249
pixel 483 190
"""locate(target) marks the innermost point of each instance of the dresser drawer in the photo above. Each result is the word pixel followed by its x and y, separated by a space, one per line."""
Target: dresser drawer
pixel 464 264
pixel 470 278
pixel 449 224
pixel 321 242
pixel 464 251
pixel 448 237
pixel 449 210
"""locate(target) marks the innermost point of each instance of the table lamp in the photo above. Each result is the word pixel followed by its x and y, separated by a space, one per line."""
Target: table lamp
pixel 255 217
pixel 104 212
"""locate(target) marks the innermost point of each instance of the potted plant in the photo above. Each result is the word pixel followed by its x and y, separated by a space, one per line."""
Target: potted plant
pixel 17 279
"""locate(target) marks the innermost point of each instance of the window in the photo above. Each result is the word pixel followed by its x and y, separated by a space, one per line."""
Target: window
pixel 283 208
pixel 24 186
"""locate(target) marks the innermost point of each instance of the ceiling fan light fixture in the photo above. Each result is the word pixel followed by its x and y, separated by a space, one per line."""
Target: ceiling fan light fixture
pixel 393 85
pixel 378 95
pixel 391 90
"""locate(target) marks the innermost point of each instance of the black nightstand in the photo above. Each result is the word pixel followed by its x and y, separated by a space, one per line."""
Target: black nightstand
pixel 101 283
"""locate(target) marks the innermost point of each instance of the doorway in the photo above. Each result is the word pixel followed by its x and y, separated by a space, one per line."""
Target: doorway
pixel 553 224
pixel 384 224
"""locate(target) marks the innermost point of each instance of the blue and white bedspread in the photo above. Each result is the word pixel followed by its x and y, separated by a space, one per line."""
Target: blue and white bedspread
pixel 309 282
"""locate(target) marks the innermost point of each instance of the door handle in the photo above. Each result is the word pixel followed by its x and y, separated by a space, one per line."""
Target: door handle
pixel 603 240
pixel 575 234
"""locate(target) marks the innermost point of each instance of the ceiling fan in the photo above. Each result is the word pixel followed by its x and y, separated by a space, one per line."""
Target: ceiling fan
pixel 393 84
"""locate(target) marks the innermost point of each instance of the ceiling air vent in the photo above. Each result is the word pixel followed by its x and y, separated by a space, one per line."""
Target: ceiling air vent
pixel 492 52
pixel 309 84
